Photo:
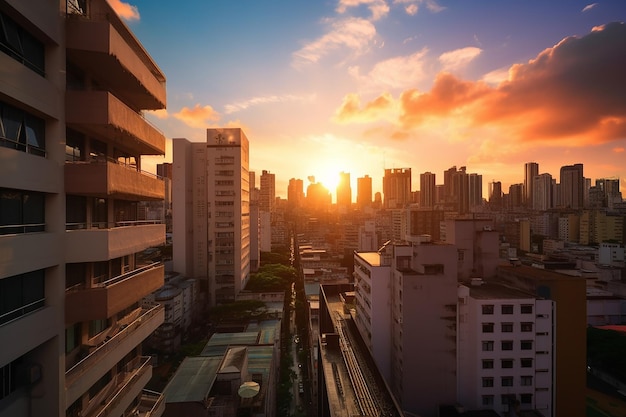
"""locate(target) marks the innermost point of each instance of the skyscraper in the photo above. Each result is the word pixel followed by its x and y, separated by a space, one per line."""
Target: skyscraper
pixel 72 270
pixel 364 192
pixel 295 194
pixel 531 170
pixel 542 192
pixel 572 186
pixel 475 194
pixel 267 197
pixel 427 190
pixel 211 213
pixel 495 193
pixel 344 191
pixel 397 187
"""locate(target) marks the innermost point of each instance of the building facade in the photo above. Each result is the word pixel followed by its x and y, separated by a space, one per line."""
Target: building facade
pixel 73 85
pixel 212 225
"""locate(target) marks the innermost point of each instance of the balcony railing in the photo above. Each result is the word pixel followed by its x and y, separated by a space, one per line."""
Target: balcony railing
pixel 151 404
pixel 14 229
pixel 109 225
pixel 76 371
pixel 15 314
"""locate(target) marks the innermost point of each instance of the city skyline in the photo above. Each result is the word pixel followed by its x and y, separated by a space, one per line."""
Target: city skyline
pixel 395 84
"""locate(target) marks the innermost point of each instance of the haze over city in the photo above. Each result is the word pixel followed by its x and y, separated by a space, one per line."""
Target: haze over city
pixel 359 86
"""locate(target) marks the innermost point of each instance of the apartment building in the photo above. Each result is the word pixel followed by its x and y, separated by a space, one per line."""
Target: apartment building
pixel 74 81
pixel 505 349
pixel 211 215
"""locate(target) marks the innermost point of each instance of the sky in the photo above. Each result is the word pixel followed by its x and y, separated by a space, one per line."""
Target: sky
pixel 327 86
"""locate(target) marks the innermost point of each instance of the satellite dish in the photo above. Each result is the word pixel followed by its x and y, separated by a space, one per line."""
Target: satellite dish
pixel 249 389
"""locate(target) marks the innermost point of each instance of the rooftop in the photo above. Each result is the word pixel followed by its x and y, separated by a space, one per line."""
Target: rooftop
pixel 372 258
pixel 492 290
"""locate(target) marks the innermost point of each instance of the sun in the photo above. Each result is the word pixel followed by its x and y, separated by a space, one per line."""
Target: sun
pixel 329 179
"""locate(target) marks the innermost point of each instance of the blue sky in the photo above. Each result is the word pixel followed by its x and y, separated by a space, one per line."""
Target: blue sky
pixel 321 87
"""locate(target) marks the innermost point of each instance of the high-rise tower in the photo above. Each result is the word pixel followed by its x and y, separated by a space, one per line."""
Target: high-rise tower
pixel 427 190
pixel 531 170
pixel 212 212
pixel 397 187
pixel 572 186
pixel 344 191
pixel 364 192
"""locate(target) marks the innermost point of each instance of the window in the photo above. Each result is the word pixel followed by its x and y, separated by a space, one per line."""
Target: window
pixel 21 294
pixel 507 399
pixel 21 45
pixel 506 363
pixel 526 345
pixel 21 211
pixel 487 400
pixel 487 327
pixel 487 364
pixel 526 309
pixel 9 378
pixel 507 327
pixel 487 345
pixel 527 327
pixel 526 398
pixel 526 362
pixel 72 337
pixel 488 309
pixel 487 382
pixel 97 326
pixel 506 381
pixel 506 345
pixel 526 381
pixel 507 309
pixel 21 130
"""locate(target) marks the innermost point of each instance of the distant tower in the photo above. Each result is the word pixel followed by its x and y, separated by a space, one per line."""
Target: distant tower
pixel 531 170
pixel 427 190
pixel 295 193
pixel 344 191
pixel 516 195
pixel 542 192
pixel 572 186
pixel 475 194
pixel 364 192
pixel 495 193
pixel 268 192
pixel 397 187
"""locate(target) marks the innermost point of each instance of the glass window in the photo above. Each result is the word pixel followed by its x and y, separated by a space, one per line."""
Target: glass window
pixel 487 327
pixel 21 294
pixel 96 327
pixel 487 345
pixel 487 309
pixel 506 327
pixel 526 381
pixel 506 381
pixel 487 364
pixel 526 362
pixel 506 363
pixel 507 309
pixel 526 344
pixel 526 309
pixel 487 400
pixel 487 382
pixel 21 130
pixel 527 327
pixel 21 45
pixel 72 337
pixel 507 345
pixel 526 398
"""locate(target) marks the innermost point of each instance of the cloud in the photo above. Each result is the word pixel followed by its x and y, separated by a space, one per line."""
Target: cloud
pixel 571 94
pixel 351 33
pixel 618 149
pixel 379 8
pixel 397 72
pixel 256 101
pixel 159 114
pixel 457 59
pixel 414 5
pixel 589 7
pixel 198 116
pixel 125 10
pixel 351 111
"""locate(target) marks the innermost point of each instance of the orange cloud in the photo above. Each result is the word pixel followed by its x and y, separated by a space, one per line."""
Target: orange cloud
pixel 571 94
pixel 125 10
pixel 198 116
pixel 350 110
pixel 618 149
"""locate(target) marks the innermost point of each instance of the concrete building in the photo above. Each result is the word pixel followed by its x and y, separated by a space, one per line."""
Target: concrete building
pixel 427 190
pixel 267 197
pixel 397 188
pixel 542 192
pixel 364 192
pixel 505 349
pixel 295 194
pixel 73 83
pixel 531 170
pixel 344 192
pixel 572 188
pixel 211 233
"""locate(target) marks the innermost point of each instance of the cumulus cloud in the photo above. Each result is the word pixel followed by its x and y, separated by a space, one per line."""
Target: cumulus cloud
pixel 589 7
pixel 125 10
pixel 459 58
pixel 618 149
pixel 256 101
pixel 572 93
pixel 352 33
pixel 351 111
pixel 159 114
pixel 414 5
pixel 397 72
pixel 378 8
pixel 198 116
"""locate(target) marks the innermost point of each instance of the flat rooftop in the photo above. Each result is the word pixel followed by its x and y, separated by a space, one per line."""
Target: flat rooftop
pixel 492 290
pixel 372 258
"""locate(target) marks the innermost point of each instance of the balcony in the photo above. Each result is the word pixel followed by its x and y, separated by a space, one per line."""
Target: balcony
pixel 152 404
pixel 108 178
pixel 100 359
pixel 101 243
pixel 104 115
pixel 125 388
pixel 102 45
pixel 109 297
